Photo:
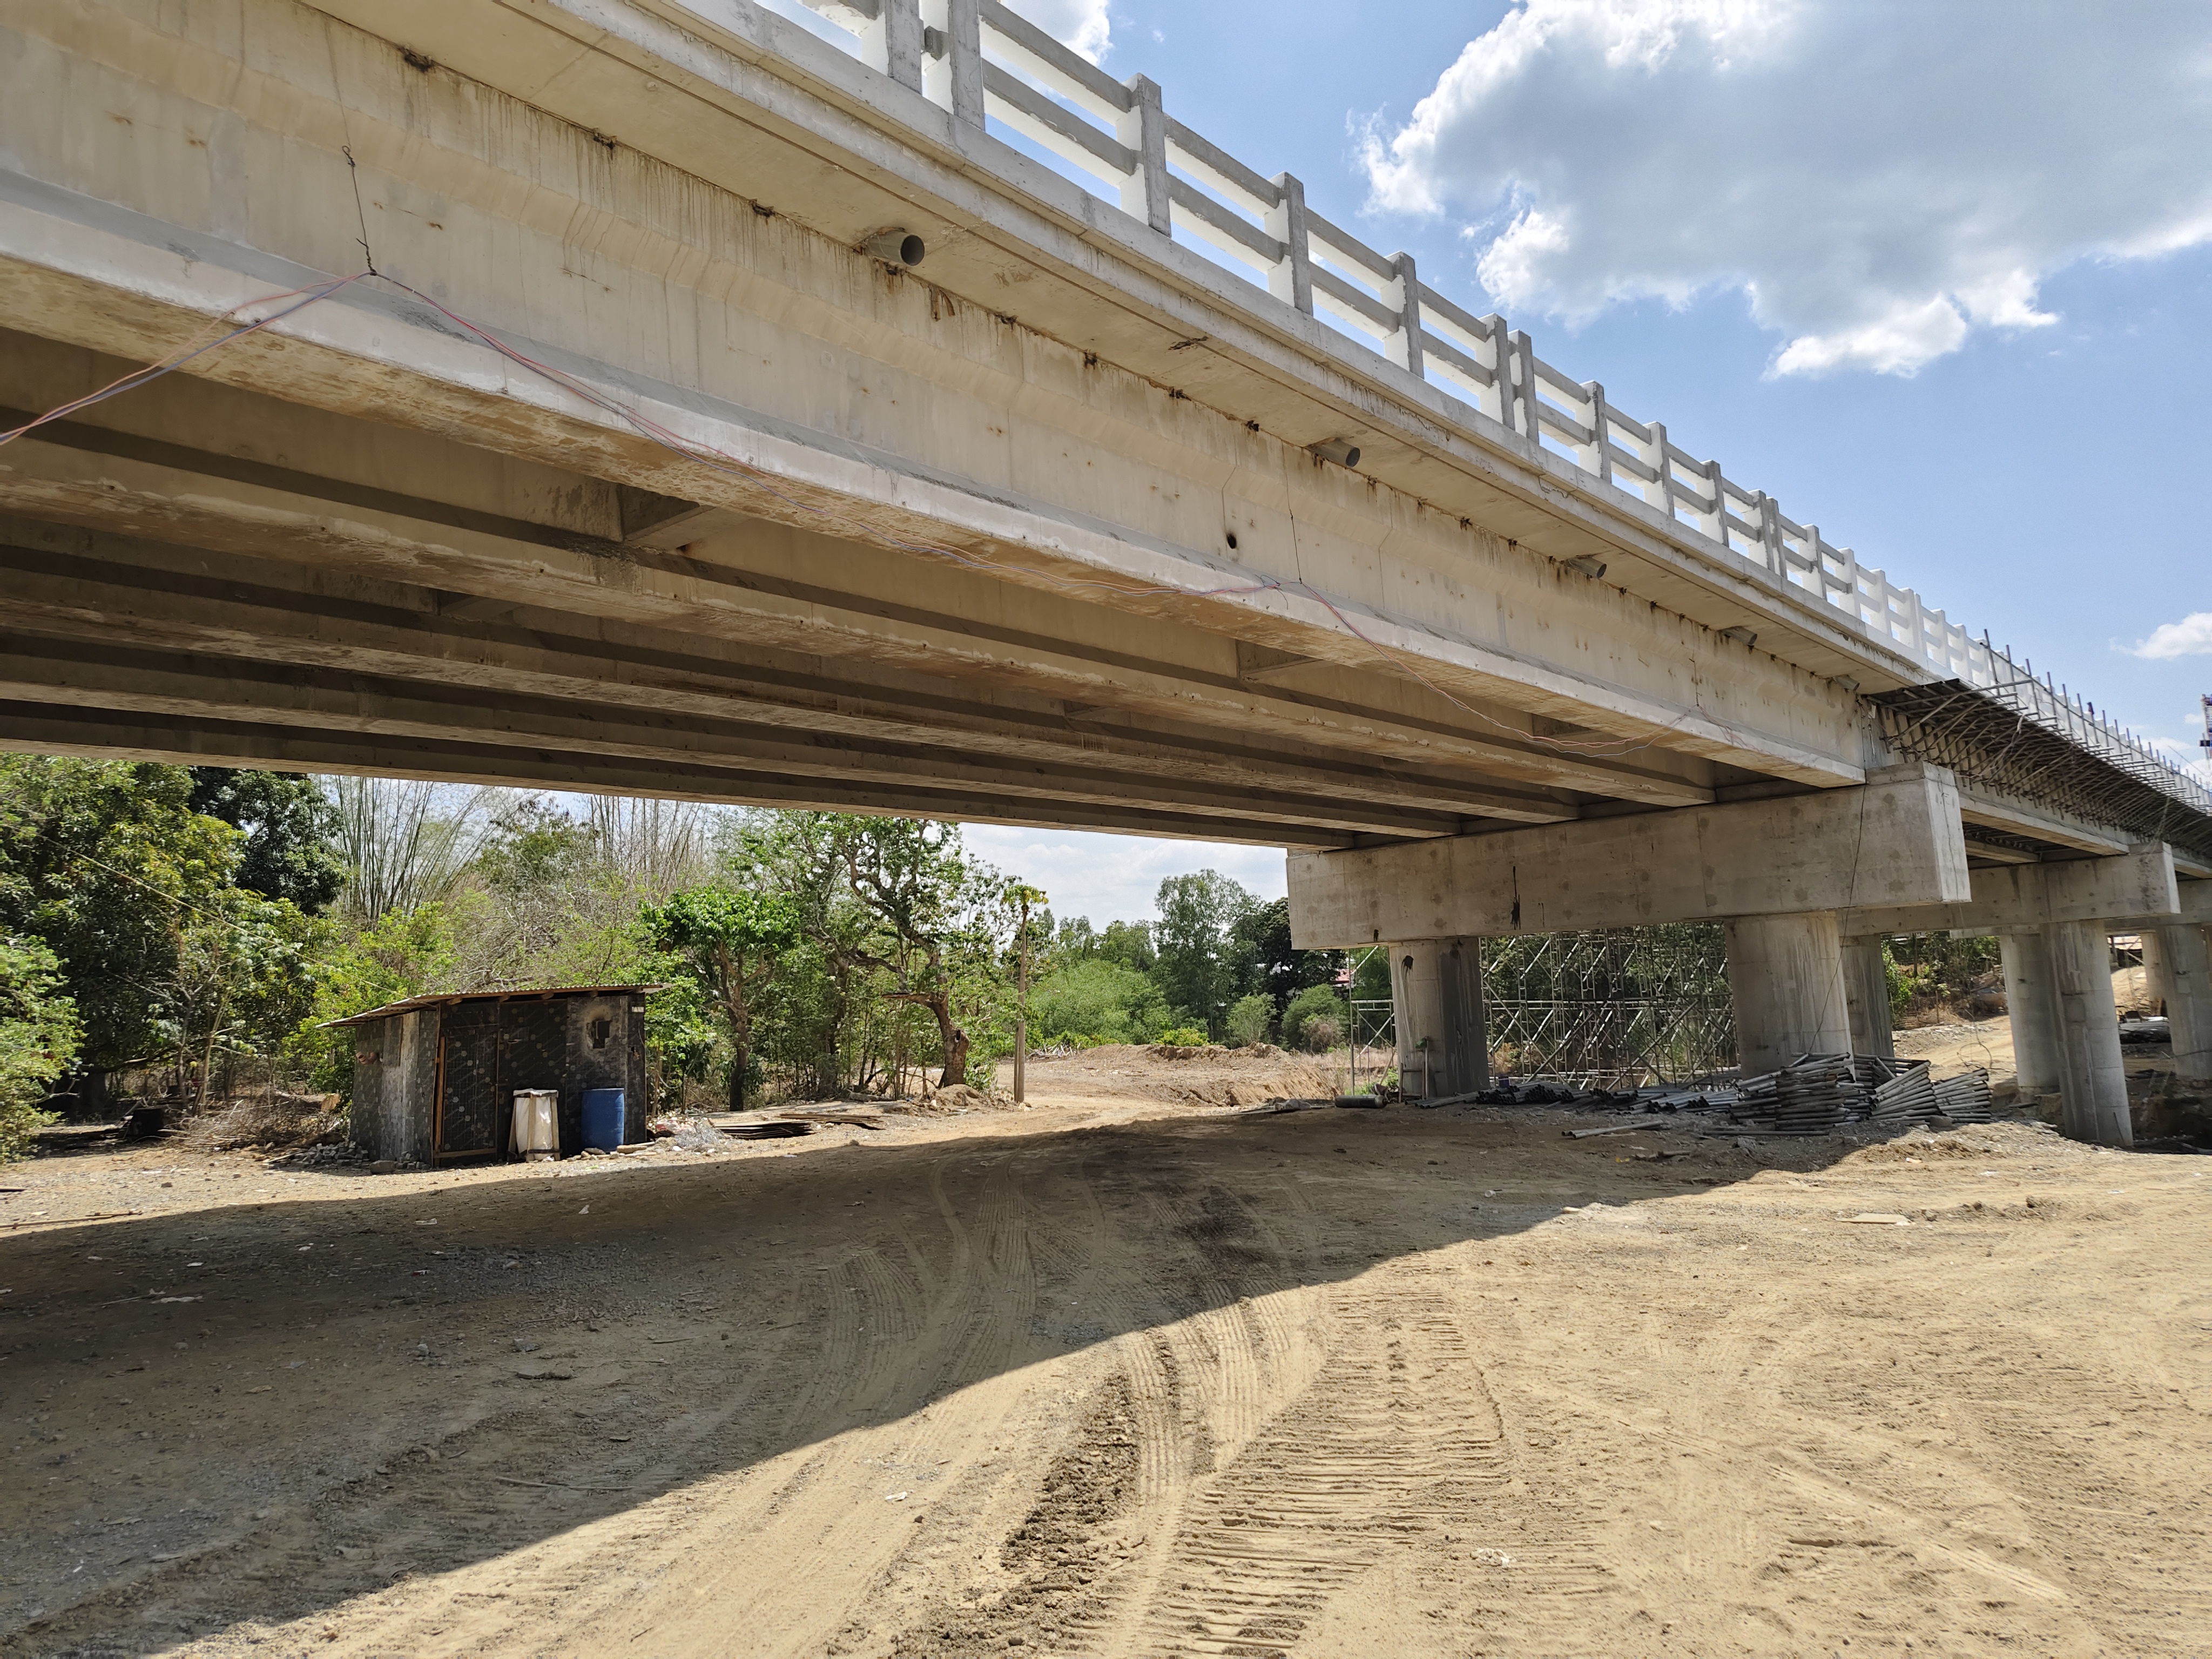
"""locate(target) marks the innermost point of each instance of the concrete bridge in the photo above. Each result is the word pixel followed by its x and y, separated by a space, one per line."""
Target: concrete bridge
pixel 901 415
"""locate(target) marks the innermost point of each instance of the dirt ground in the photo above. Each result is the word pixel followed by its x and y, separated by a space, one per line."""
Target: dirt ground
pixel 1117 1378
pixel 1120 1073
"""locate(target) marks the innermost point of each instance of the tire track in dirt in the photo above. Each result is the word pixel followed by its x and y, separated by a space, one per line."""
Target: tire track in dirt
pixel 874 1351
pixel 1393 1438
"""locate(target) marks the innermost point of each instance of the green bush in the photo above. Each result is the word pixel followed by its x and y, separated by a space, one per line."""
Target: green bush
pixel 1313 1009
pixel 1246 1022
pixel 1183 1036
pixel 38 1037
pixel 1099 1000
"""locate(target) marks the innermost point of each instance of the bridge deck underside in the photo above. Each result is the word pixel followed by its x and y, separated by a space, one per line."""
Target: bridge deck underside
pixel 163 599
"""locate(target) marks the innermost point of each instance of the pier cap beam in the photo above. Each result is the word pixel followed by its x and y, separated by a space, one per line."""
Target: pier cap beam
pixel 2139 884
pixel 1891 842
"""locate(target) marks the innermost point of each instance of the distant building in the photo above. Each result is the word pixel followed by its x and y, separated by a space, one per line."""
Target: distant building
pixel 434 1078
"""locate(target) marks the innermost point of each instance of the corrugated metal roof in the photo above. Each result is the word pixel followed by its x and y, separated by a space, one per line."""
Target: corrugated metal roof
pixel 446 998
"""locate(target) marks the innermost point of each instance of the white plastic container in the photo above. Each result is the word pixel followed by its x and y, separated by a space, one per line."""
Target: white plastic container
pixel 536 1123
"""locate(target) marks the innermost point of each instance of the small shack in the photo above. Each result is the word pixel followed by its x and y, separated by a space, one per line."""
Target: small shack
pixel 434 1078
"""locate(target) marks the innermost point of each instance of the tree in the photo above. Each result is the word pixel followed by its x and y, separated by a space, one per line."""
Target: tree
pixel 290 829
pixel 1279 970
pixel 731 940
pixel 106 863
pixel 407 842
pixel 37 1037
pixel 1247 1019
pixel 1032 926
pixel 935 910
pixel 1099 1000
pixel 405 953
pixel 1200 968
pixel 1315 1019
pixel 1128 943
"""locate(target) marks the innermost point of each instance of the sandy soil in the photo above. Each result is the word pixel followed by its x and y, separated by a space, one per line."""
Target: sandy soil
pixel 1952 1047
pixel 1118 1380
pixel 1186 1077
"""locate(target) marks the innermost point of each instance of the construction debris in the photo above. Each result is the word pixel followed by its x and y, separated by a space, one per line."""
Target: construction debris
pixel 1964 1098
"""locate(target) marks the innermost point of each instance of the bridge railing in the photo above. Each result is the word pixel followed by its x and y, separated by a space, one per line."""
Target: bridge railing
pixel 983 63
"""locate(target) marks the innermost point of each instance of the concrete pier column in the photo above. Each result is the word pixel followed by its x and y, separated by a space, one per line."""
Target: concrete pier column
pixel 1435 992
pixel 2093 1084
pixel 2034 1015
pixel 2176 962
pixel 1786 979
pixel 1865 997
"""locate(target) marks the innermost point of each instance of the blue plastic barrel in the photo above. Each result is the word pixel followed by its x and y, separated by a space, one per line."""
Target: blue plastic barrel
pixel 603 1119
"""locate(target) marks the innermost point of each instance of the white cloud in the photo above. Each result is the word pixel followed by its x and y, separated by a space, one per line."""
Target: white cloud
pixel 1115 878
pixel 1081 24
pixel 2190 637
pixel 1880 178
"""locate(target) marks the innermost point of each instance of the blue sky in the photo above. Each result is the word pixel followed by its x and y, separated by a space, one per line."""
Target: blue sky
pixel 1937 278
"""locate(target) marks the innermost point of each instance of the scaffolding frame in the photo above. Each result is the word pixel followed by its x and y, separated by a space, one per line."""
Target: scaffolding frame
pixel 1613 1007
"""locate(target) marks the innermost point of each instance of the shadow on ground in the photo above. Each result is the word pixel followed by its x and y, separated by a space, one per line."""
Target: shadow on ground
pixel 256 1412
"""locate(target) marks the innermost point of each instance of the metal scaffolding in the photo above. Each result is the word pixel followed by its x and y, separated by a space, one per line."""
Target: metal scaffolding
pixel 1614 1007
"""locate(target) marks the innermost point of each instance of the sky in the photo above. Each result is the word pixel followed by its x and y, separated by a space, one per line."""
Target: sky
pixel 1938 277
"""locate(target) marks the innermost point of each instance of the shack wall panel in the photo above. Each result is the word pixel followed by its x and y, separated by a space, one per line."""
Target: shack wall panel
pixel 418 1080
pixel 605 1065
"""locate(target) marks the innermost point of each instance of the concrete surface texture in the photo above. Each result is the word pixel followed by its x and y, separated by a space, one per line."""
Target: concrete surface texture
pixel 1389 1383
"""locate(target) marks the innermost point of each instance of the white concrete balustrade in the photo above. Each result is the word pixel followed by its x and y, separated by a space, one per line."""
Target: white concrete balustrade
pixel 981 61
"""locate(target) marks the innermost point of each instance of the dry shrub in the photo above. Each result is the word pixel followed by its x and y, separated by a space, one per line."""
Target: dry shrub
pixel 272 1117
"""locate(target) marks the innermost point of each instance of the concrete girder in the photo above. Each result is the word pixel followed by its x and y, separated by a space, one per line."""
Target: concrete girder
pixel 58 729
pixel 1897 836
pixel 2138 882
pixel 1068 649
pixel 1064 793
pixel 771 283
pixel 285 694
pixel 318 646
pixel 1984 811
pixel 255 638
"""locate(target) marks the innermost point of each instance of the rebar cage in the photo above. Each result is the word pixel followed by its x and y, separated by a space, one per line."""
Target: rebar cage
pixel 1613 1007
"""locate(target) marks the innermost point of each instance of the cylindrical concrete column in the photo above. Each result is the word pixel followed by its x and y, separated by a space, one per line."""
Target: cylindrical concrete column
pixel 1436 993
pixel 2175 962
pixel 2034 1016
pixel 1786 979
pixel 2093 1084
pixel 1866 997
